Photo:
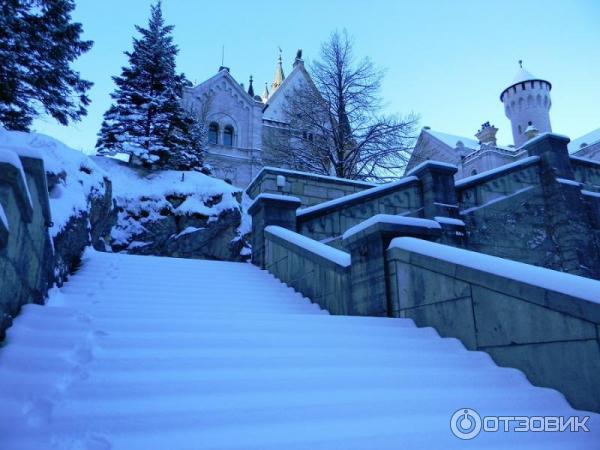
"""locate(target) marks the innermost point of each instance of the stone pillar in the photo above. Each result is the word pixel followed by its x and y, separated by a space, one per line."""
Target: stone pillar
pixel 553 152
pixel 437 189
pixel 270 209
pixel 439 199
pixel 367 244
pixel 567 220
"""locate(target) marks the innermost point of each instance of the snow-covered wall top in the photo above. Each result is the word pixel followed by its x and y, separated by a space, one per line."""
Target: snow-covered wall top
pixel 78 177
pixel 578 288
pixel 318 249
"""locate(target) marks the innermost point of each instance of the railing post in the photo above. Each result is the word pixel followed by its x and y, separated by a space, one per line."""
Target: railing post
pixel 437 189
pixel 568 221
pixel 439 199
pixel 270 209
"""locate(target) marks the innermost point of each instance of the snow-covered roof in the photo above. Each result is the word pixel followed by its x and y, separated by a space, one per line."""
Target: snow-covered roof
pixel 451 140
pixel 588 139
pixel 523 75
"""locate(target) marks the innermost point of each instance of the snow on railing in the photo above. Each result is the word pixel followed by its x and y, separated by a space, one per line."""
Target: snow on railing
pixel 498 171
pixel 565 283
pixel 322 250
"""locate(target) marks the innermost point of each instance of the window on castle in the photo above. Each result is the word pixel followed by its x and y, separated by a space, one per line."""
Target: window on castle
pixel 228 136
pixel 213 133
pixel 520 129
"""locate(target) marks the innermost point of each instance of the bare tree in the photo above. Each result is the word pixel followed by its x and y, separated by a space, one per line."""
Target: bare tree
pixel 337 127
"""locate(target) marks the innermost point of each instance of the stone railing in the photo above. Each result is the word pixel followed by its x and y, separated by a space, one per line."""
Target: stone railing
pixel 587 172
pixel 318 271
pixel 533 211
pixel 486 187
pixel 25 248
pixel 542 322
pixel 428 192
pixel 311 189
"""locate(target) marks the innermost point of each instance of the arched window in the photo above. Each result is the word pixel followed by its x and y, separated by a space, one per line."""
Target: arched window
pixel 473 172
pixel 228 136
pixel 213 133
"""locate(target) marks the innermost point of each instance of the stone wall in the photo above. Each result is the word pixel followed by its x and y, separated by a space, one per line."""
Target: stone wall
pixel 328 221
pixel 25 247
pixel 311 189
pixel 536 210
pixel 544 323
pixel 586 172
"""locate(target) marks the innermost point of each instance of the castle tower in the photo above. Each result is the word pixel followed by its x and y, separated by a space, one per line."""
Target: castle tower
pixel 527 104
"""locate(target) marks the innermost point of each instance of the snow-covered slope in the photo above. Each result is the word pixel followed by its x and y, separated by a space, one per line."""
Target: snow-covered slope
pixel 139 352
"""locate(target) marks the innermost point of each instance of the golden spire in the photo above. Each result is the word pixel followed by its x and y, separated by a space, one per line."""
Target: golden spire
pixel 279 75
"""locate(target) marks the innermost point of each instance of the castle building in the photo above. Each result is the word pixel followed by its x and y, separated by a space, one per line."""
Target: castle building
pixel 241 122
pixel 527 104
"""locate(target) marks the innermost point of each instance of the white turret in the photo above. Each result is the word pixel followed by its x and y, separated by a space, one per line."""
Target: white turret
pixel 527 104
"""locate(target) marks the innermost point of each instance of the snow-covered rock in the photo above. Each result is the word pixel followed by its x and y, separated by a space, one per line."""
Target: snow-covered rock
pixel 102 202
pixel 155 208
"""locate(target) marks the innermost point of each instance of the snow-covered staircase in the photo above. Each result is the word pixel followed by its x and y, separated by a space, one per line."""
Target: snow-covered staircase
pixel 139 352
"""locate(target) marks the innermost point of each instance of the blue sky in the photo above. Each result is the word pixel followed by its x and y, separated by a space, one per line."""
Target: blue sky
pixel 446 60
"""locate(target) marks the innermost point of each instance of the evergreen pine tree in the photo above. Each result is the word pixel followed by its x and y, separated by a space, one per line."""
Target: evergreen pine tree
pixel 38 42
pixel 147 119
pixel 189 141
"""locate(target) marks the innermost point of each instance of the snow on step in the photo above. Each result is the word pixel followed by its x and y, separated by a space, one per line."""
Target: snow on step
pixel 139 352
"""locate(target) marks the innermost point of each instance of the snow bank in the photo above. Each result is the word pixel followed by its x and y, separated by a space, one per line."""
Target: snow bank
pixel 324 251
pixel 565 283
pixel 79 178
pixel 391 219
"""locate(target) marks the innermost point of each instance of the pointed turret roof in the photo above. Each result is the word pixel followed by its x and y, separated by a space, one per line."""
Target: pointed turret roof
pixel 521 76
pixel 279 75
pixel 251 88
pixel 265 94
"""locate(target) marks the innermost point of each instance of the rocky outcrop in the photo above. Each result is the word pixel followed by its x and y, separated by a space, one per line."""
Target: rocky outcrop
pixel 159 227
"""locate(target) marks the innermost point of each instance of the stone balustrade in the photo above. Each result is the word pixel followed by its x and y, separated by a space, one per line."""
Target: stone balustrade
pixel 542 322
pixel 316 270
pixel 311 189
pixel 534 211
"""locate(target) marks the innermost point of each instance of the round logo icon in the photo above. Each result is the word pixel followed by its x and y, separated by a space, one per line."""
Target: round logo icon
pixel 465 423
